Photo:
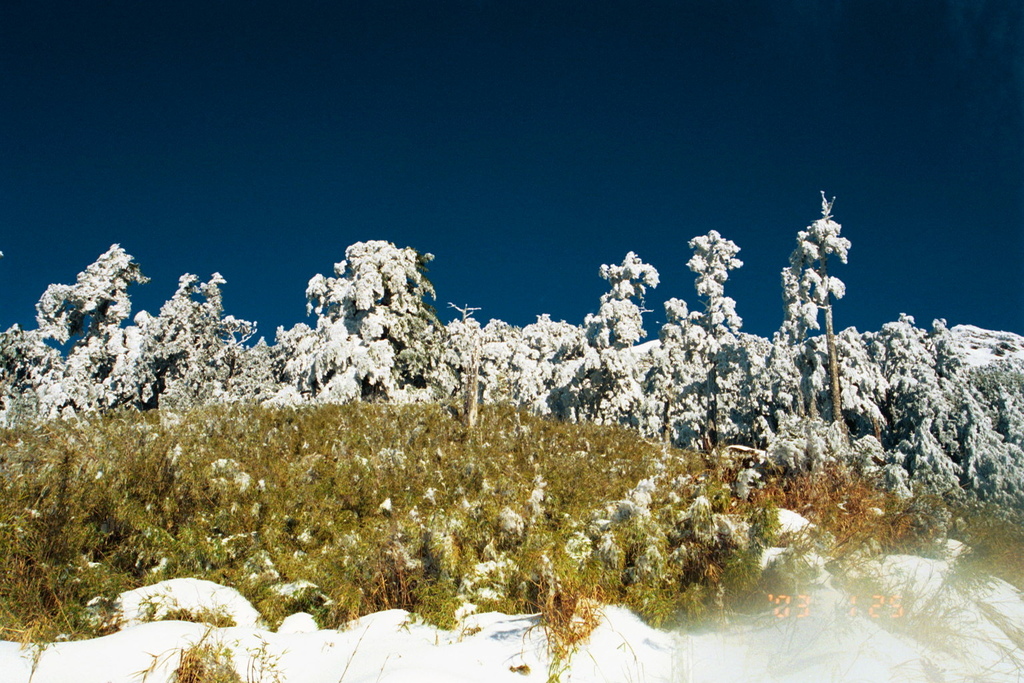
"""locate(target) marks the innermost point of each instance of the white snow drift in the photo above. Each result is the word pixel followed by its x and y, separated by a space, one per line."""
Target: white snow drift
pixel 894 618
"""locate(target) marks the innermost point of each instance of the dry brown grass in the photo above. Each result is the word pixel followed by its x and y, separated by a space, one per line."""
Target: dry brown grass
pixel 100 505
pixel 569 613
pixel 996 542
pixel 213 617
pixel 855 511
pixel 205 662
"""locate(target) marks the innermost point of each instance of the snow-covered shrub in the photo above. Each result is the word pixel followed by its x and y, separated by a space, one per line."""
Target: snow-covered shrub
pixel 804 445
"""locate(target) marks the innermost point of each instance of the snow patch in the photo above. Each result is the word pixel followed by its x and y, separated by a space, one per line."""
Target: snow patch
pixel 194 596
pixel 947 629
pixel 792 523
pixel 981 347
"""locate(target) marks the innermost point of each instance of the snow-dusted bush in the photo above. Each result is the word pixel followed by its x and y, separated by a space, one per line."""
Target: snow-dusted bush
pixel 806 445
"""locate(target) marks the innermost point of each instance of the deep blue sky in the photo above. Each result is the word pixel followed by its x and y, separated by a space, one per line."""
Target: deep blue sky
pixel 523 143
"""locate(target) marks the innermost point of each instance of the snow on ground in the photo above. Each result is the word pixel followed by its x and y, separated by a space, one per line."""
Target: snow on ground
pixel 892 618
pixel 981 346
pixel 792 523
pixel 154 602
pixel 951 630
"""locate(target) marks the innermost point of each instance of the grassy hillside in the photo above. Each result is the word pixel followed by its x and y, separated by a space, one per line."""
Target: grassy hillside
pixel 345 510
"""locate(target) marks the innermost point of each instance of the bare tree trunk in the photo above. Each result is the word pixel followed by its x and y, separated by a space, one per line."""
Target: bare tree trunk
pixel 471 385
pixel 471 370
pixel 666 426
pixel 833 353
pixel 711 428
pixel 833 367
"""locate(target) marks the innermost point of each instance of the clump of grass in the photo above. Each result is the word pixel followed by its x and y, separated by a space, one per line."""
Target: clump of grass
pixel 206 662
pixel 855 511
pixel 214 617
pixel 569 611
pixel 995 539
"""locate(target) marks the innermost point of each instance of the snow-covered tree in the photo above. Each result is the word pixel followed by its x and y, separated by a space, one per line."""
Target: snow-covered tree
pixel 618 323
pixel 255 377
pixel 713 258
pixel 191 353
pixel 96 304
pixel 787 368
pixel 30 374
pixel 675 384
pixel 864 386
pixel 608 388
pixel 919 406
pixel 744 398
pixel 815 245
pixel 89 314
pixel 376 338
pixel 991 401
pixel 545 366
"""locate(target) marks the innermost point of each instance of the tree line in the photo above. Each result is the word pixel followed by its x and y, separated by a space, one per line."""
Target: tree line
pixel 901 400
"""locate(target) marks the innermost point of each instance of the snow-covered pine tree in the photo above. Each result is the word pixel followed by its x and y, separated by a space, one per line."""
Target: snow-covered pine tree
pixel 817 244
pixel 545 361
pixel 864 387
pixel 618 323
pixel 90 313
pixel 920 407
pixel 293 358
pixel 991 398
pixel 675 384
pixel 256 378
pixel 191 353
pixel 713 258
pixel 376 338
pixel 744 397
pixel 608 383
pixel 788 370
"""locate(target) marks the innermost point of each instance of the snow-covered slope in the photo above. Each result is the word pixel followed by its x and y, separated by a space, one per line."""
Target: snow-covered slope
pixel 981 346
pixel 911 619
